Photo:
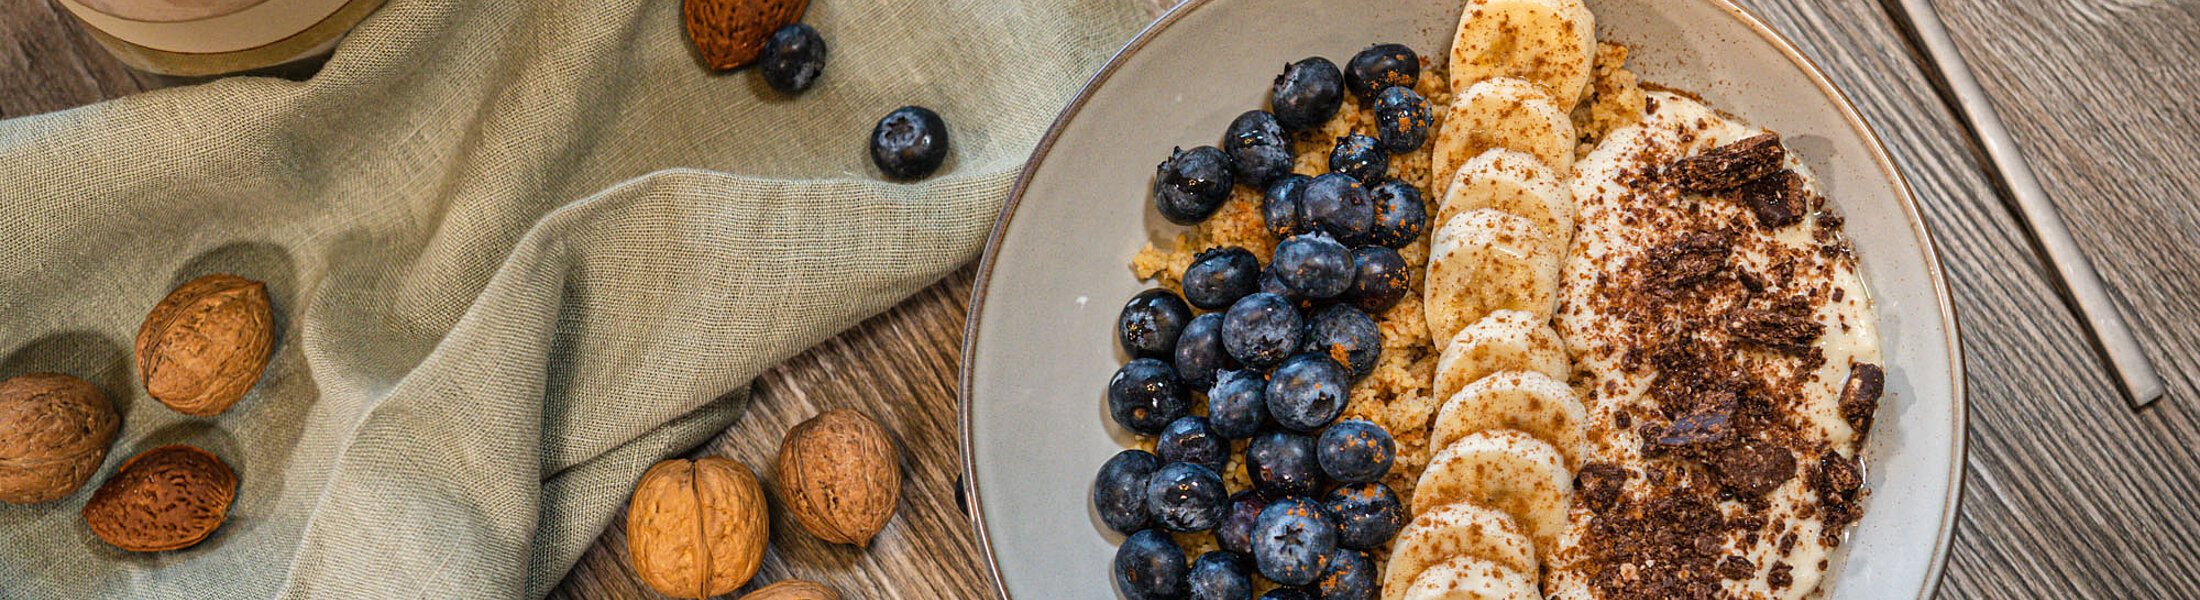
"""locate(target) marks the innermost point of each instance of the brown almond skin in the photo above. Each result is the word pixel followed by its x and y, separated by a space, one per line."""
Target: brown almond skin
pixel 793 589
pixel 697 528
pixel 731 33
pixel 206 344
pixel 165 498
pixel 54 432
pixel 840 476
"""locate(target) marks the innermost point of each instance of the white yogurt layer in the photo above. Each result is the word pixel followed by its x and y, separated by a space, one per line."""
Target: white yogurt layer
pixel 1611 237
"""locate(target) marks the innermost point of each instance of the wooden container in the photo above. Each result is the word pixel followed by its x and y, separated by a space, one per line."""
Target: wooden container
pixel 197 38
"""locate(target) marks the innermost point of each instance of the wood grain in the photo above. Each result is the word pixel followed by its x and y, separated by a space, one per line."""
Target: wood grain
pixel 2068 494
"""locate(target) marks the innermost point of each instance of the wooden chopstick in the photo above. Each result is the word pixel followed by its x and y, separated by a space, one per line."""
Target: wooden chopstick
pixel 2080 284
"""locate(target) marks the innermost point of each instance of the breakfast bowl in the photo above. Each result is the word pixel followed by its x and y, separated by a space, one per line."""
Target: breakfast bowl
pixel 1041 342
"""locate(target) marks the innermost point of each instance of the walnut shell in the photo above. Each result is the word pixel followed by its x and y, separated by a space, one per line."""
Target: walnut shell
pixel 731 33
pixel 54 432
pixel 793 589
pixel 206 344
pixel 163 499
pixel 697 528
pixel 840 476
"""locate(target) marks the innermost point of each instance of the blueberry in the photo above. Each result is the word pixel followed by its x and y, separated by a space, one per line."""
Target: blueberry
pixel 1400 215
pixel 1189 439
pixel 1220 575
pixel 1235 532
pixel 1282 206
pixel 793 57
pixel 1354 451
pixel 1199 352
pixel 1381 66
pixel 1119 492
pixel 1314 265
pixel 1282 462
pixel 1191 185
pixel 1151 323
pixel 1338 204
pixel 1185 497
pixel 1219 277
pixel 1306 392
pixel 1150 566
pixel 1288 593
pixel 1359 156
pixel 1146 395
pixel 1270 283
pixel 1307 94
pixel 1368 514
pixel 1261 330
pixel 1258 148
pixel 1380 279
pixel 910 143
pixel 1237 406
pixel 1344 333
pixel 1293 540
pixel 1351 576
pixel 1401 119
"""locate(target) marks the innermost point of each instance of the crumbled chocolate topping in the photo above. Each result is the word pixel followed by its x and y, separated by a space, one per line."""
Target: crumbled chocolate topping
pixel 1598 485
pixel 1782 330
pixel 1753 469
pixel 1736 567
pixel 1689 260
pixel 1778 200
pixel 1837 476
pixel 1728 166
pixel 1672 530
pixel 1705 427
pixel 1860 396
pixel 1781 576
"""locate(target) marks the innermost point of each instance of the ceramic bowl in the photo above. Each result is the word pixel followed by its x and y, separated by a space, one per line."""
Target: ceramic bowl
pixel 1041 347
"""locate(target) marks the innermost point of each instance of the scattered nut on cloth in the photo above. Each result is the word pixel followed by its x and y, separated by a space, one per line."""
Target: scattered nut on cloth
pixel 515 252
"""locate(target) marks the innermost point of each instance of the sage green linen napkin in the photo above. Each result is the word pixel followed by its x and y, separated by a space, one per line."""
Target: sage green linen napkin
pixel 517 250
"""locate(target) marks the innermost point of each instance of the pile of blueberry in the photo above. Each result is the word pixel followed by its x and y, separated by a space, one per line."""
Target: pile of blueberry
pixel 1275 353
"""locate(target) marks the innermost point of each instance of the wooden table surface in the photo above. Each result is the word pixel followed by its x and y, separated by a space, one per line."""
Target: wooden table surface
pixel 2067 492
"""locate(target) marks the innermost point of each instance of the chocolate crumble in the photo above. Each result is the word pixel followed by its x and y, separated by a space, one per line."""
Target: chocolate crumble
pixel 1860 396
pixel 1778 200
pixel 1728 166
pixel 1781 330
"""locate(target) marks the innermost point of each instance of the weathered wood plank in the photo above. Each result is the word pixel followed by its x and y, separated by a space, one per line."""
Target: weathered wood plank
pixel 48 62
pixel 898 368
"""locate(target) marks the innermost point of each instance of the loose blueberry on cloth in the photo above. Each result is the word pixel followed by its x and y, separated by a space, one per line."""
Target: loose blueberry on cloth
pixel 518 251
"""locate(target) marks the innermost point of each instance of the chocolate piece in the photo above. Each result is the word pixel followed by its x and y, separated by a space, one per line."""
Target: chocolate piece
pixel 1728 166
pixel 1782 330
pixel 1838 477
pixel 1753 469
pixel 1689 260
pixel 1778 199
pixel 1736 567
pixel 1598 485
pixel 1860 396
pixel 1704 427
pixel 1781 576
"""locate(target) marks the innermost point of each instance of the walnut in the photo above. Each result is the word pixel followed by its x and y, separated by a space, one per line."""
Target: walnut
pixel 731 33
pixel 205 344
pixel 840 476
pixel 793 589
pixel 697 528
pixel 54 432
pixel 163 499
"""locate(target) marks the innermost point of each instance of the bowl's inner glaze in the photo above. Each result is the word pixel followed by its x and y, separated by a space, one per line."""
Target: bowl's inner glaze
pixel 1041 348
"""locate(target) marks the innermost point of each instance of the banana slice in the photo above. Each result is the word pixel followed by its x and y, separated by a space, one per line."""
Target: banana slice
pixel 1507 470
pixel 1516 183
pixel 1506 340
pixel 1524 401
pixel 1470 578
pixel 1452 531
pixel 1505 113
pixel 1485 260
pixel 1549 42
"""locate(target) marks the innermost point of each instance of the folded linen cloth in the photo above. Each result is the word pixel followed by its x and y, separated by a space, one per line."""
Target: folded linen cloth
pixel 517 250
